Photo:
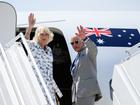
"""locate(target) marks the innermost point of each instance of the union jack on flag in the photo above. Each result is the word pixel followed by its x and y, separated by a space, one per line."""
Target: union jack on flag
pixel 115 37
pixel 98 32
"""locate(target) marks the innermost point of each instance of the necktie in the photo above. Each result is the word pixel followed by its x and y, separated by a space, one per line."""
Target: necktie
pixel 74 65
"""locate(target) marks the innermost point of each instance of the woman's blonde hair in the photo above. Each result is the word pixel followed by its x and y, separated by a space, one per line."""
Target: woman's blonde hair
pixel 46 30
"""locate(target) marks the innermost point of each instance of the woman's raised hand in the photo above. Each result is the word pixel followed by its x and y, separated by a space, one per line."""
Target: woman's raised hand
pixel 31 20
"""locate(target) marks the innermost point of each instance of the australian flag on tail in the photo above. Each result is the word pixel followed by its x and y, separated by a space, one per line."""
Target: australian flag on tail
pixel 114 37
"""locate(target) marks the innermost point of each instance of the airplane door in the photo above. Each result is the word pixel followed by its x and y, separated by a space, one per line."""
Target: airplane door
pixel 61 64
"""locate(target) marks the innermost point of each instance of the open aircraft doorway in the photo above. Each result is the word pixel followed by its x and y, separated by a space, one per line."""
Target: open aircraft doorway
pixel 61 63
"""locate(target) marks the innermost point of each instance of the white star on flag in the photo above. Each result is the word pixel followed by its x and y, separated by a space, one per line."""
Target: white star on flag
pixel 100 41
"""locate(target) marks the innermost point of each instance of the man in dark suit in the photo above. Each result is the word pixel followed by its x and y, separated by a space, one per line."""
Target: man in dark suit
pixel 85 88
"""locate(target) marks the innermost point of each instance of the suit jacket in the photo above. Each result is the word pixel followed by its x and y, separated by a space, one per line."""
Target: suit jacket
pixel 85 82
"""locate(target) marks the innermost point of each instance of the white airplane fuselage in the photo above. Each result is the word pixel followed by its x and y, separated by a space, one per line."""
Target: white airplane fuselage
pixel 66 25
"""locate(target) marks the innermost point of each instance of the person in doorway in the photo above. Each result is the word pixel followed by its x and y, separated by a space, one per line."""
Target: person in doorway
pixel 43 56
pixel 85 87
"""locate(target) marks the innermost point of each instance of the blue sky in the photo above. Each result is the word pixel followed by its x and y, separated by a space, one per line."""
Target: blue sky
pixel 75 5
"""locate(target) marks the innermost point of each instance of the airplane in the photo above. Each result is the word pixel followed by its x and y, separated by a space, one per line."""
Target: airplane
pixel 63 24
